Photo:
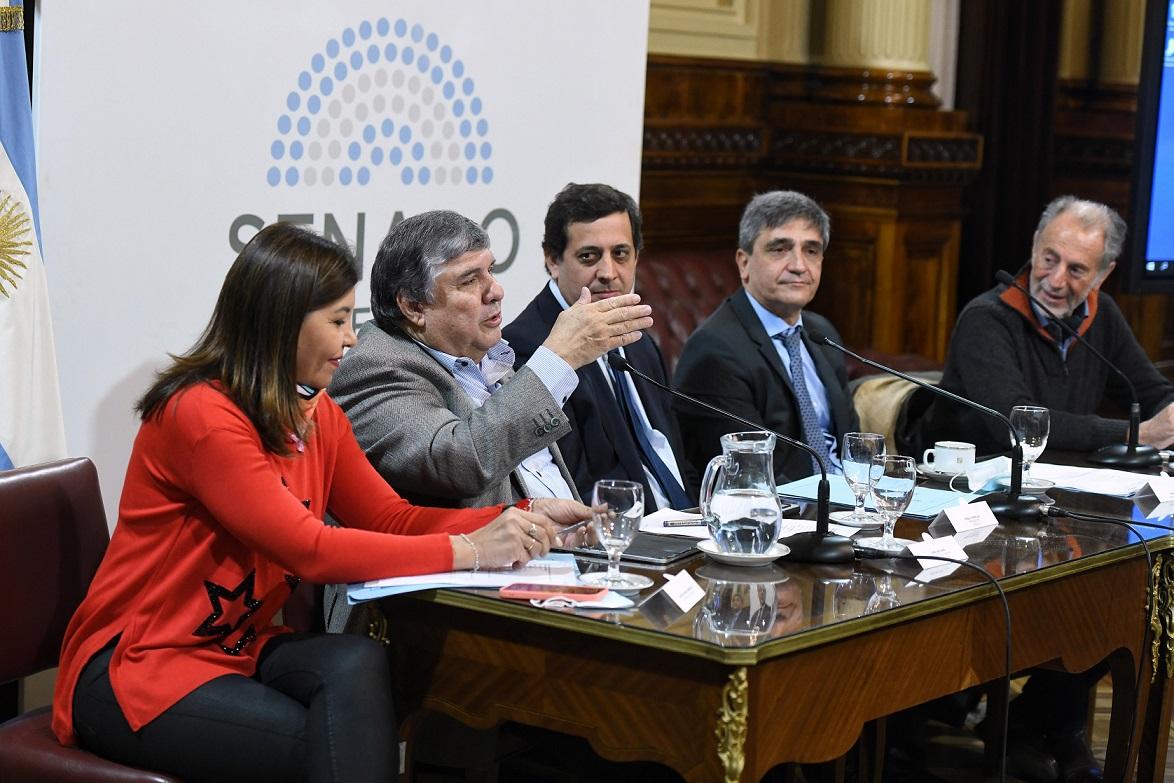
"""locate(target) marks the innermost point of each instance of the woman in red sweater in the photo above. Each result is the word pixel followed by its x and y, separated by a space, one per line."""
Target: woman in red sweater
pixel 173 661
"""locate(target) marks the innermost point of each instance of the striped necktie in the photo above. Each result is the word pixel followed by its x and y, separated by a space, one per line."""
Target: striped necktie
pixel 812 432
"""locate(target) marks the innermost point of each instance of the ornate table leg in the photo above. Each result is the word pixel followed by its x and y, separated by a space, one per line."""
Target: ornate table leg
pixel 1153 742
pixel 731 725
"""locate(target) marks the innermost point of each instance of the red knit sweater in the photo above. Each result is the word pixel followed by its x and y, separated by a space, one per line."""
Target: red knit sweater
pixel 213 534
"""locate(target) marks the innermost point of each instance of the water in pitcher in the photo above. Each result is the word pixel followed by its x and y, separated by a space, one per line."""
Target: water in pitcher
pixel 744 520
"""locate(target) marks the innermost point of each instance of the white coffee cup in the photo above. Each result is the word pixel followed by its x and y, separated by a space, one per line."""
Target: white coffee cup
pixel 950 456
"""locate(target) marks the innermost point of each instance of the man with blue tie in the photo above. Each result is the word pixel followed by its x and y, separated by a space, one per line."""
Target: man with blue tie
pixel 760 355
pixel 621 427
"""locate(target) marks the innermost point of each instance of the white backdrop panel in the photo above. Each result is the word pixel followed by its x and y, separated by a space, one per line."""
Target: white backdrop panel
pixel 169 132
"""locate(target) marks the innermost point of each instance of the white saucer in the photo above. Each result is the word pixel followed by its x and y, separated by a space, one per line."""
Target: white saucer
pixel 845 518
pixel 928 471
pixel 636 582
pixel 710 549
pixel 1033 487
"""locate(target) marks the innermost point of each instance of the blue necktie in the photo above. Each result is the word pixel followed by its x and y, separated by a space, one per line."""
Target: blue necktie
pixel 668 482
pixel 812 432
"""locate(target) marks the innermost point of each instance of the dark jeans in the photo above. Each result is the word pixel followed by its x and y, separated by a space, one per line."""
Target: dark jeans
pixel 317 709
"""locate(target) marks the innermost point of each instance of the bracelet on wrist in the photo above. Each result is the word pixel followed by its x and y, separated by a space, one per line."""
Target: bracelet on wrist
pixel 476 554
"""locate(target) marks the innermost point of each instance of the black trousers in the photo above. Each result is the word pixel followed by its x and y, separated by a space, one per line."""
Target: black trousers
pixel 1057 702
pixel 318 709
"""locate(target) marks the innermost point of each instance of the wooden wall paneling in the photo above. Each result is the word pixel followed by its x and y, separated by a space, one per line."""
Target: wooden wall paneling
pixel 704 143
pixel 848 287
pixel 692 210
pixel 929 277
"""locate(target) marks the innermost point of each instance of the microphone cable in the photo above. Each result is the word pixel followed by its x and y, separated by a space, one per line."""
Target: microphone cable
pixel 865 553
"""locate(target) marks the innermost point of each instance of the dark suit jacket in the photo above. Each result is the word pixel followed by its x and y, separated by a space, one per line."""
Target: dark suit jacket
pixel 732 363
pixel 600 445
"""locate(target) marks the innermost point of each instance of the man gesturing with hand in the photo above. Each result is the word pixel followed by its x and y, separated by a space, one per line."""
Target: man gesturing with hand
pixel 620 427
pixel 431 389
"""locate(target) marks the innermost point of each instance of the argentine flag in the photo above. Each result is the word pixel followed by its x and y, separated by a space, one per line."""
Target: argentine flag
pixel 31 428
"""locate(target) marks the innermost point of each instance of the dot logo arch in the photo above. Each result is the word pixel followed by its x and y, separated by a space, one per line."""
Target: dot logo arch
pixel 382 99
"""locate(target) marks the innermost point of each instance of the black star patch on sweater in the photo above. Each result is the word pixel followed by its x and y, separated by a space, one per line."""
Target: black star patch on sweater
pixel 238 604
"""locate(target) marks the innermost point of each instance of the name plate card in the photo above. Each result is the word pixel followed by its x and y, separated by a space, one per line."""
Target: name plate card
pixel 971 516
pixel 1163 488
pixel 946 546
pixel 683 590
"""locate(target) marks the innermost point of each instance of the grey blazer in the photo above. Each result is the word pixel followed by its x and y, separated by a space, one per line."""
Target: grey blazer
pixel 419 429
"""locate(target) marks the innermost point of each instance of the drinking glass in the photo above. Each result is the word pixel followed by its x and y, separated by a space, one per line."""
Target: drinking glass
pixel 884 597
pixel 860 471
pixel 1032 424
pixel 896 478
pixel 618 508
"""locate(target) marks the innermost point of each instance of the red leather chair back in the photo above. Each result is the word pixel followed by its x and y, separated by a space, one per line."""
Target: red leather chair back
pixel 52 536
pixel 683 287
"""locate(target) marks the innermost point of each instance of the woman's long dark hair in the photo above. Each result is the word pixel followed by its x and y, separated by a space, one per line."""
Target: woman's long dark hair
pixel 250 346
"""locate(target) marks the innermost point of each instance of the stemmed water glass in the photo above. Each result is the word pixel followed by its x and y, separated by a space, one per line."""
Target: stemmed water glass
pixel 884 597
pixel 896 478
pixel 1032 424
pixel 618 507
pixel 860 471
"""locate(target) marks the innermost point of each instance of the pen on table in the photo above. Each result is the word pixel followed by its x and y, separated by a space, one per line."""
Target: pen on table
pixel 684 523
pixel 574 527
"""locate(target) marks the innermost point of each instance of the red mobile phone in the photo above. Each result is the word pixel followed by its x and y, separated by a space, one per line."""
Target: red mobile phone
pixel 526 591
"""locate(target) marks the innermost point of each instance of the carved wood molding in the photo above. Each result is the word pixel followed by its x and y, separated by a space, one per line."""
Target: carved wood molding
pixel 707 147
pixel 910 156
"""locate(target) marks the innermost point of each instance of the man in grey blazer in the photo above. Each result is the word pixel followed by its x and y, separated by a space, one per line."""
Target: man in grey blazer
pixel 430 388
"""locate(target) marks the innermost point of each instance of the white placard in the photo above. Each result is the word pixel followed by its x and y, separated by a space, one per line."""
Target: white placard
pixel 1161 510
pixel 1163 488
pixel 169 133
pixel 973 536
pixel 970 516
pixel 946 546
pixel 683 590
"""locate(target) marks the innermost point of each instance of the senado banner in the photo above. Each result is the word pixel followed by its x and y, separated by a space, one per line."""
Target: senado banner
pixel 168 134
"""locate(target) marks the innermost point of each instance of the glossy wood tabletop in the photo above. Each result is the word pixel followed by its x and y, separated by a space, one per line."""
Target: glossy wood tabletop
pixel 789 662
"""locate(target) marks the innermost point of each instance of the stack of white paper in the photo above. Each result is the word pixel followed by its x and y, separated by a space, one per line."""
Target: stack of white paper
pixel 1102 481
pixel 557 568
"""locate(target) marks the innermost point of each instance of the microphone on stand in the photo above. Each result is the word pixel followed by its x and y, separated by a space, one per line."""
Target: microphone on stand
pixel 819 546
pixel 1128 454
pixel 1012 503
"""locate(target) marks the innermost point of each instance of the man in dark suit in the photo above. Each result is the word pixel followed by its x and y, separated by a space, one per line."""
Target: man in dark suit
pixel 760 355
pixel 621 427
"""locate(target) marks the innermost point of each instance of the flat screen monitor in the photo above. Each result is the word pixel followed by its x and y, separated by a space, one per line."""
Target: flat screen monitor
pixel 1151 256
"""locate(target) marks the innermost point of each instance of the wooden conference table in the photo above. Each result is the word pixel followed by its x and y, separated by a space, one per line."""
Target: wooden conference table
pixel 791 665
